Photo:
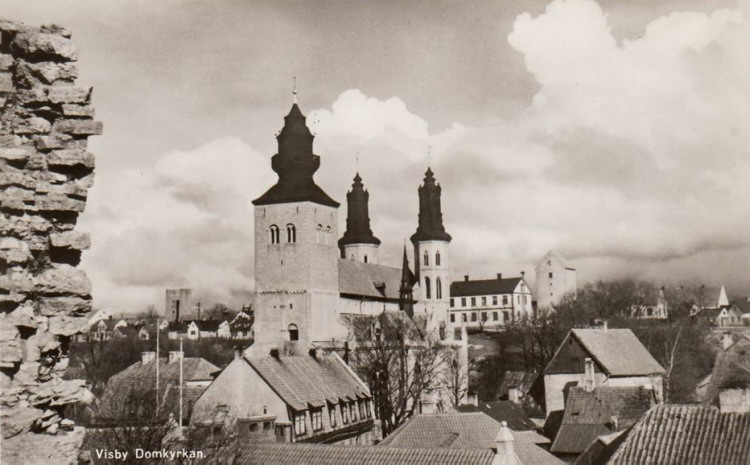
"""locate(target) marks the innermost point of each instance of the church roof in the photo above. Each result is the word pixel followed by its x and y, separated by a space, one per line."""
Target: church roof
pixel 431 226
pixel 369 280
pixel 357 216
pixel 484 287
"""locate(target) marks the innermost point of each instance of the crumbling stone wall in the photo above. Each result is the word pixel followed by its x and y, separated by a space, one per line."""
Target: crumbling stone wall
pixel 45 173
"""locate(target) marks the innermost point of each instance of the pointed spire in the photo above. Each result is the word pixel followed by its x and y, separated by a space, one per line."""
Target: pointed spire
pixel 431 226
pixel 294 90
pixel 357 216
pixel 405 293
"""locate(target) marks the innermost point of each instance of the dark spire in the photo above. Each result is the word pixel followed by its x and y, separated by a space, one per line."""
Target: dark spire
pixel 357 217
pixel 295 164
pixel 430 214
pixel 405 296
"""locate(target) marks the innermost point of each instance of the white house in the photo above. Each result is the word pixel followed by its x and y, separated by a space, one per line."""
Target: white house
pixel 489 302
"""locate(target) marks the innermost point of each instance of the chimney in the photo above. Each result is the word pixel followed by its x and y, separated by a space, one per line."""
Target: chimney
pixel 499 276
pixel 275 353
pixel 514 395
pixel 614 422
pixel 147 357
pixel 313 353
pixel 466 277
pixel 174 355
pixel 237 352
pixel 472 399
pixel 589 375
pixel 504 453
pixel 523 274
pixel 726 340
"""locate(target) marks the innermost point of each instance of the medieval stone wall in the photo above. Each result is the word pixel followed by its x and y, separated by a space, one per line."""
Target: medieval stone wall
pixel 45 174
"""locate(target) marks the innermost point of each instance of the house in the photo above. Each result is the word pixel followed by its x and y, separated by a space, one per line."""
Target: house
pixel 657 311
pixel 597 412
pixel 502 410
pixel 555 278
pixel 138 381
pixel 224 331
pixel 711 297
pixel 312 398
pixel 467 431
pixel 722 317
pixel 595 357
pixel 489 303
pixel 178 330
pixel 202 329
pixel 241 326
pixel 103 330
pixel 728 386
pixel 684 435
pixel 102 314
pixel 515 385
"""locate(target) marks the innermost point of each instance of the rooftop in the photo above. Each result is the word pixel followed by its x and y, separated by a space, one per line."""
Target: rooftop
pixel 502 410
pixel 617 351
pixel 731 369
pixel 369 280
pixel 484 287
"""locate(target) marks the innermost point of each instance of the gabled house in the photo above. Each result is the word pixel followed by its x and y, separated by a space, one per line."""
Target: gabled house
pixel 515 385
pixel 241 326
pixel 683 435
pixel 489 303
pixel 468 431
pixel 202 329
pixel 597 412
pixel 313 398
pixel 599 357
pixel 728 386
pixel 103 330
pixel 224 331
pixel 658 310
pixel 722 316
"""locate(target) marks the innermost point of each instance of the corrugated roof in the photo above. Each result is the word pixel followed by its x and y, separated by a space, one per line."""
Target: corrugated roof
pixel 484 287
pixel 730 369
pixel 464 431
pixel 618 351
pixel 301 380
pixel 686 435
pixel 364 279
pixel 589 414
pixel 318 454
pixel 502 410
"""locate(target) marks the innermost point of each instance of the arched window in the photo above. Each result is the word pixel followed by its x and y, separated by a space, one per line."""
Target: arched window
pixel 273 234
pixel 293 332
pixel 319 234
pixel 438 288
pixel 427 288
pixel 437 259
pixel 291 233
pixel 426 259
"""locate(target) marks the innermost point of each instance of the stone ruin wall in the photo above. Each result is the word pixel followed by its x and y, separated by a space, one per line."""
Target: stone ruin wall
pixel 45 174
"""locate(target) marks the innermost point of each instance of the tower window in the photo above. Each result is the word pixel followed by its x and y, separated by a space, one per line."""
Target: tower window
pixel 327 235
pixel 426 259
pixel 437 258
pixel 452 303
pixel 438 288
pixel 291 234
pixel 293 332
pixel 273 234
pixel 550 275
pixel 427 288
pixel 365 258
pixel 319 234
pixel 463 301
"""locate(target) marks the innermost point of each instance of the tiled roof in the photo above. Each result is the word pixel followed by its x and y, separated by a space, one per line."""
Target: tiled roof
pixel 207 325
pixel 686 435
pixel 193 369
pixel 618 351
pixel 304 380
pixel 465 431
pixel 589 414
pixel 502 410
pixel 730 369
pixel 364 279
pixel 521 380
pixel 189 397
pixel 484 287
pixel 317 454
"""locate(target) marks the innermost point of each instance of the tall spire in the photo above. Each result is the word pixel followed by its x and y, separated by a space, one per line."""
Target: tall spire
pixel 358 218
pixel 405 295
pixel 295 164
pixel 431 226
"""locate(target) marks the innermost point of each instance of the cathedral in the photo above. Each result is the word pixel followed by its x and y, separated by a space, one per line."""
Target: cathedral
pixel 309 278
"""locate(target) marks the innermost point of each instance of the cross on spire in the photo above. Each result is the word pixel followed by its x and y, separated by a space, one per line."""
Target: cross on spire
pixel 294 88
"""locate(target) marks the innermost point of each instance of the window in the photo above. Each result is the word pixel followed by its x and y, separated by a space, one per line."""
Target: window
pixel 319 234
pixel 463 301
pixel 273 234
pixel 299 423
pixel 473 316
pixel 505 300
pixel 291 234
pixel 253 427
pixel 332 415
pixel 293 332
pixel 452 303
pixel 362 409
pixel 484 301
pixel 484 316
pixel 453 318
pixel 327 235
pixel 427 288
pixel 437 258
pixel 317 419
pixel 426 259
pixel 494 300
pixel 506 317
pixel 550 275
pixel 473 301
pixel 344 414
pixel 365 258
pixel 368 408
pixel 353 411
pixel 463 317
pixel 494 316
pixel 518 299
pixel 438 288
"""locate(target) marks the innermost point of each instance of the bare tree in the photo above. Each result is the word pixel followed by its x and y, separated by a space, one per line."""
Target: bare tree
pixel 456 377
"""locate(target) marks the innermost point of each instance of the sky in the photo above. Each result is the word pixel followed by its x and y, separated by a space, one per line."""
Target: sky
pixel 615 132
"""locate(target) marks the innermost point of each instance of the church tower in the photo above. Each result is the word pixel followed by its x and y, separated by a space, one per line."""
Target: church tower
pixel 431 254
pixel 296 261
pixel 358 242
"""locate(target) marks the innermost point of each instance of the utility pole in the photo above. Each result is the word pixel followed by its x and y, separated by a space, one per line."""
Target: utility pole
pixel 181 360
pixel 157 364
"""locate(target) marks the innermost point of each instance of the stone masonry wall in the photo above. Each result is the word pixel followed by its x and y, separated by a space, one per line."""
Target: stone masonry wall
pixel 45 174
